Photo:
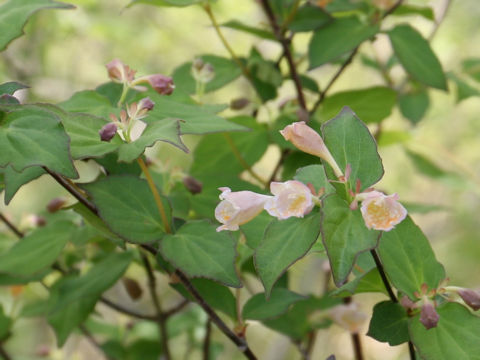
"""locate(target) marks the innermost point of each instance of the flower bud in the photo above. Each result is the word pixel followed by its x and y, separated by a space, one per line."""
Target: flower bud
pixel 471 298
pixel 202 72
pixel 292 198
pixel 429 316
pixel 133 288
pixel 381 212
pixel 146 104
pixel 237 208
pixel 55 204
pixel 407 303
pixel 108 131
pixel 309 141
pixel 119 72
pixel 162 84
pixel 239 104
pixel 193 185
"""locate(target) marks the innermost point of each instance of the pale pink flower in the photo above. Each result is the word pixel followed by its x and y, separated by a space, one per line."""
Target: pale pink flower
pixel 308 140
pixel 237 208
pixel 381 212
pixel 348 316
pixel 292 198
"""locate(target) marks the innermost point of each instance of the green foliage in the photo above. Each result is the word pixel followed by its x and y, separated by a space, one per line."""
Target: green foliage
pixel 259 308
pixel 15 180
pixel 389 323
pixel 414 105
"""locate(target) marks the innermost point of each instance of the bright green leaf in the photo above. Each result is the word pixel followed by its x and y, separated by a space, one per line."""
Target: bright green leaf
pixel 337 38
pixel 127 206
pixel 344 236
pixel 284 242
pixel 455 336
pixel 408 259
pixel 237 25
pixel 408 9
pixel 309 17
pixel 200 251
pixel 14 15
pixel 10 87
pixel 367 282
pixel 259 308
pixel 416 56
pixel 389 323
pixel 414 105
pixel 15 180
pixel 5 324
pixel 372 105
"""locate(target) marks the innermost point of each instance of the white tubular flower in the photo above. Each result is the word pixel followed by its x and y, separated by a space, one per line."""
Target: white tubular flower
pixel 292 198
pixel 381 212
pixel 348 316
pixel 308 140
pixel 237 208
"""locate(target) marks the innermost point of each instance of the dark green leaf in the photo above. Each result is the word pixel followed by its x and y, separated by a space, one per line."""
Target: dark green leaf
pixel 10 87
pixel 389 323
pixel 31 135
pixel 407 9
pixel 259 308
pixel 372 105
pixel 414 105
pixel 367 282
pixel 37 250
pixel 350 142
pixel 455 337
pixel 337 38
pixel 5 324
pixel 284 242
pixel 416 56
pixel 90 102
pixel 309 83
pixel 15 180
pixel 15 13
pixel 315 175
pixel 254 229
pixel 266 77
pixel 308 18
pixel 237 25
pixel 344 236
pixel 127 206
pixel 408 259
pixel 200 251
pixel 144 349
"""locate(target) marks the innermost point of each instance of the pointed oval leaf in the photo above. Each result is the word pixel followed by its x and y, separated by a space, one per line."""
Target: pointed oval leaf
pixel 408 259
pixel 10 87
pixel 200 251
pixel 284 242
pixel 414 105
pixel 455 337
pixel 389 323
pixel 259 308
pixel 337 38
pixel 15 180
pixel 417 57
pixel 344 236
pixel 350 142
pixel 367 282
pixel 127 206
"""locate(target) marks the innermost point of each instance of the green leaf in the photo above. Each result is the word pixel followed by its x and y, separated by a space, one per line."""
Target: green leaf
pixel 200 251
pixel 337 38
pixel 90 102
pixel 416 56
pixel 407 9
pixel 391 137
pixel 350 142
pixel 367 282
pixel 408 259
pixel 167 3
pixel 284 242
pixel 308 18
pixel 254 229
pixel 344 236
pixel 266 77
pixel 315 175
pixel 426 166
pixel 10 87
pixel 237 25
pixel 14 14
pixel 372 105
pixel 259 308
pixel 455 336
pixel 414 105
pixel 15 180
pixel 471 67
pixel 37 250
pixel 94 283
pixel 389 323
pixel 127 206
pixel 217 296
pixel 225 72
pixel 464 89
pixel 31 135
pixel 5 324
pixel 309 83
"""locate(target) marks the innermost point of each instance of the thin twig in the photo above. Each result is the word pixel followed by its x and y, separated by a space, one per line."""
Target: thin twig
pixel 439 21
pixel 277 31
pixel 280 162
pixel 392 8
pixel 91 339
pixel 206 341
pixel 11 226
pixel 3 353
pixel 381 270
pixel 175 309
pixel 357 346
pixel 411 351
pixel 126 311
pixel 161 320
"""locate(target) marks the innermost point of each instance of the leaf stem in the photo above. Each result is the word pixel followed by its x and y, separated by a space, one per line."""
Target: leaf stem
pixel 11 226
pixel 241 160
pixel 156 195
pixel 381 270
pixel 206 340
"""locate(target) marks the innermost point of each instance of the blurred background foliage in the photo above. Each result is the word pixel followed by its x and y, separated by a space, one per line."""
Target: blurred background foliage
pixel 433 165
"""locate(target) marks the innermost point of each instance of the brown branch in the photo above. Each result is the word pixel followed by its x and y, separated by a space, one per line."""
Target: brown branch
pixel 126 311
pixel 381 270
pixel 277 31
pixel 175 309
pixel 11 226
pixel 206 341
pixel 280 162
pixel 392 9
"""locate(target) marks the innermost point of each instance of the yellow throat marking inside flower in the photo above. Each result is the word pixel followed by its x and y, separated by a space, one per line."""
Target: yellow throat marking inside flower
pixel 380 215
pixel 297 202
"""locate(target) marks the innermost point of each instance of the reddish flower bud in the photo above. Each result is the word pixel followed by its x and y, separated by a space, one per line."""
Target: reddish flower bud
pixel 119 72
pixel 108 131
pixel 407 303
pixel 192 185
pixel 238 104
pixel 471 298
pixel 429 316
pixel 133 288
pixel 162 84
pixel 55 205
pixel 145 104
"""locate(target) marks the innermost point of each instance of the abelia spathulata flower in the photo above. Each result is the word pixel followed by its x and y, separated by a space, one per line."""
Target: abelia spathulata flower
pixel 348 316
pixel 379 211
pixel 291 198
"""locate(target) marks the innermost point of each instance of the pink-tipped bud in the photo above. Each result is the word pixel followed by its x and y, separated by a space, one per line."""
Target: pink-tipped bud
pixel 119 72
pixel 162 84
pixel 239 104
pixel 407 303
pixel 146 104
pixel 471 298
pixel 55 204
pixel 429 316
pixel 108 131
pixel 193 185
